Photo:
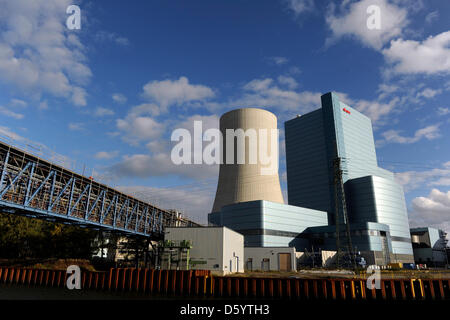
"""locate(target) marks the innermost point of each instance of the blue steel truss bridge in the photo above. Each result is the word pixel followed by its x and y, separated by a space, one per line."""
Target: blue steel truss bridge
pixel 33 187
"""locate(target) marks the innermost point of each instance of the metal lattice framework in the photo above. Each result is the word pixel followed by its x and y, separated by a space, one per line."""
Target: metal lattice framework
pixel 34 187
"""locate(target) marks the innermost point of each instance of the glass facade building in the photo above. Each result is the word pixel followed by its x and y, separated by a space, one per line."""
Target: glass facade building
pixel 313 142
pixel 268 224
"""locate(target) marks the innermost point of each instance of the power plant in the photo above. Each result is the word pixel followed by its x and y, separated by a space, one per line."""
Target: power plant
pixel 193 155
pixel 339 199
pixel 343 211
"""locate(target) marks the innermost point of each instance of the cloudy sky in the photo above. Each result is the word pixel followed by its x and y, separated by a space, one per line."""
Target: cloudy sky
pixel 105 99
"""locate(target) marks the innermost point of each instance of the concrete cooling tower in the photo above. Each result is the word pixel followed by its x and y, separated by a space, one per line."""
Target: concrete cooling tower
pixel 245 182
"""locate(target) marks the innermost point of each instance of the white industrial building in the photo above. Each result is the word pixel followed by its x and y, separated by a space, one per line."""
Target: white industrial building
pixel 218 249
pixel 270 258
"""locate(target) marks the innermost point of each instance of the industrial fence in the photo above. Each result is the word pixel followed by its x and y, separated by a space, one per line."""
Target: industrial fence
pixel 200 283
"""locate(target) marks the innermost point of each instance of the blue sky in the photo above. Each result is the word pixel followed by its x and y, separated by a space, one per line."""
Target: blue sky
pixel 107 97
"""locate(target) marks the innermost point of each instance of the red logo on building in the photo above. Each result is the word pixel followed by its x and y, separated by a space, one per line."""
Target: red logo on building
pixel 345 110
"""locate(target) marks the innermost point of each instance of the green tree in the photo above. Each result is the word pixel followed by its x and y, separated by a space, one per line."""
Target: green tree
pixel 22 237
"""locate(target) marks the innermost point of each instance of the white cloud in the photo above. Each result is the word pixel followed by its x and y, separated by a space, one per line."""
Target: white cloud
pixel 175 92
pixel 441 182
pixel 434 15
pixel 375 110
pixel 428 93
pixel 290 82
pixel 119 98
pixel 158 162
pixel 432 210
pixel 430 132
pixel 411 180
pixel 102 112
pixel 352 22
pixel 386 90
pixel 79 96
pixel 43 105
pixel 300 6
pixel 258 84
pixel 283 96
pixel 158 146
pixel 430 56
pixel 295 70
pixel 122 41
pixel 157 165
pixel 150 109
pixel 105 155
pixel 103 36
pixel 138 128
pixel 140 123
pixel 18 103
pixel 193 200
pixel 6 112
pixel 265 93
pixel 443 111
pixel 207 122
pixel 278 60
pixel 37 55
pixel 6 132
pixel 436 200
pixel 76 126
pixel 113 133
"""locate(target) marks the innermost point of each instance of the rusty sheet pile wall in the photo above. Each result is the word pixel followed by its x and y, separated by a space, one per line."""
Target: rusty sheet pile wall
pixel 201 283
